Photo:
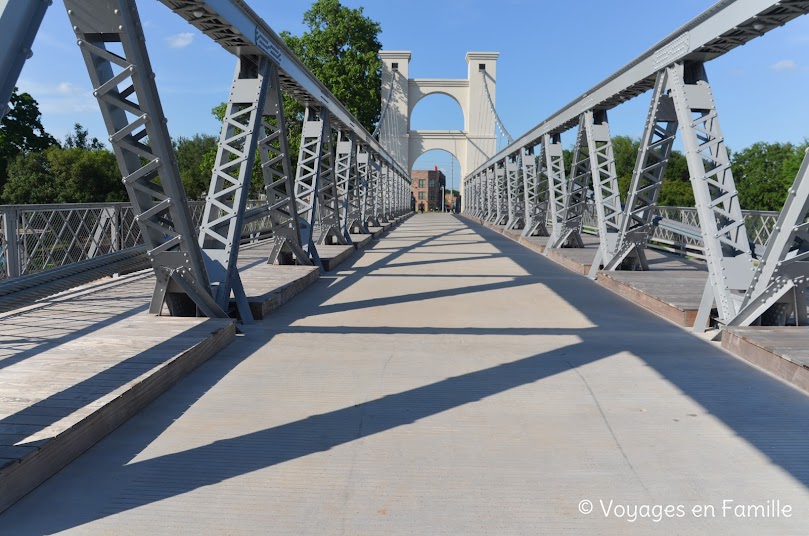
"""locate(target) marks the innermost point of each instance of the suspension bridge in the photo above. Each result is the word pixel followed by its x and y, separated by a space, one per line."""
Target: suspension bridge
pixel 323 361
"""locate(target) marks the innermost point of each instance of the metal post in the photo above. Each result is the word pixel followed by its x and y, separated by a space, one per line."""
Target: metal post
pixel 647 179
pixel 222 219
pixel 11 240
pixel 314 151
pixel 345 174
pixel 605 186
pixel 552 164
pixel 569 217
pixel 150 171
pixel 19 23
pixel 359 195
pixel 727 248
pixel 279 181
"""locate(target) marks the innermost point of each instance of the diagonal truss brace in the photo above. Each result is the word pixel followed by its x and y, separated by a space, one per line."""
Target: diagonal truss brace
pixel 500 195
pixel 727 248
pixel 535 194
pixel 605 186
pixel 223 217
pixel 345 176
pixel 516 196
pixel 313 163
pixel 279 182
pixel 778 289
pixel 358 197
pixel 568 223
pixel 110 36
pixel 552 162
pixel 637 224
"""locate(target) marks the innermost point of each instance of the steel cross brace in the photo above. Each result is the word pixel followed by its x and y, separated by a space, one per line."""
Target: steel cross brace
pixel 500 195
pixel 778 288
pixel 605 186
pixel 535 196
pixel 358 199
pixel 491 210
pixel 637 224
pixel 19 23
pixel 346 174
pixel 372 198
pixel 110 36
pixel 567 226
pixel 727 248
pixel 279 182
pixel 516 197
pixel 552 164
pixel 223 218
pixel 329 206
pixel 313 162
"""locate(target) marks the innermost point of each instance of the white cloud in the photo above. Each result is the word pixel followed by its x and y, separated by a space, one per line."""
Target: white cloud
pixel 180 40
pixel 784 65
pixel 59 98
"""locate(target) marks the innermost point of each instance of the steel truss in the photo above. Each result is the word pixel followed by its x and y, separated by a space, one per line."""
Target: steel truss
pixel 516 196
pixel 223 218
pixel 110 36
pixel 313 163
pixel 778 288
pixel 568 223
pixel 637 224
pixel 605 185
pixel 372 198
pixel 535 194
pixel 346 175
pixel 727 248
pixel 279 182
pixel 358 198
pixel 552 164
pixel 19 22
pixel 500 192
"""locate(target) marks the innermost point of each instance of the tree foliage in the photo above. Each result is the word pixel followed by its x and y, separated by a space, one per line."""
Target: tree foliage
pixel 341 50
pixel 21 131
pixel 764 172
pixel 64 175
pixel 195 157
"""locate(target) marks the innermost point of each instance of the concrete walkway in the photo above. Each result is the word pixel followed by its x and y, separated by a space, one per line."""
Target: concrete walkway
pixel 449 381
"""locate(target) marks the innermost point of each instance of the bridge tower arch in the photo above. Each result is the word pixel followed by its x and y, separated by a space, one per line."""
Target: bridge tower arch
pixel 473 145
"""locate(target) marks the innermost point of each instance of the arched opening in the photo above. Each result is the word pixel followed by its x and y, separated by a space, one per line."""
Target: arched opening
pixel 432 170
pixel 437 111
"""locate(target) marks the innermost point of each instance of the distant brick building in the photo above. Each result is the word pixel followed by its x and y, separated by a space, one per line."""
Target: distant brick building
pixel 426 188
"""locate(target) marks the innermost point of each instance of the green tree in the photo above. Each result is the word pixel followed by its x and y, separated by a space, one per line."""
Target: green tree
pixel 21 131
pixel 58 175
pixel 195 157
pixel 80 139
pixel 625 151
pixel 764 172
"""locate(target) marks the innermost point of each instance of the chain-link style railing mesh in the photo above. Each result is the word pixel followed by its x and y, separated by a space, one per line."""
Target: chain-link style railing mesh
pixel 759 225
pixel 49 236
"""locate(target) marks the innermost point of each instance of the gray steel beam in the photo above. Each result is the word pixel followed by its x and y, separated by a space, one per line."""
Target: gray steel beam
pixel 110 36
pixel 345 172
pixel 568 225
pixel 605 186
pixel 647 179
pixel 279 181
pixel 223 217
pixel 516 196
pixel 535 193
pixel 357 201
pixel 721 28
pixel 19 23
pixel 778 288
pixel 727 248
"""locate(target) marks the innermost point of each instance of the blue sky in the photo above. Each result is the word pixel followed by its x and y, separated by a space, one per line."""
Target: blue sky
pixel 550 52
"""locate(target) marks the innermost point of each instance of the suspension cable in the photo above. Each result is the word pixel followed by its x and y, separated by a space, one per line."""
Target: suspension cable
pixel 387 104
pixel 497 119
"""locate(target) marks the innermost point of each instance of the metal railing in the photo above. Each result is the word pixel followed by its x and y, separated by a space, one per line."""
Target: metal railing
pixel 759 225
pixel 34 238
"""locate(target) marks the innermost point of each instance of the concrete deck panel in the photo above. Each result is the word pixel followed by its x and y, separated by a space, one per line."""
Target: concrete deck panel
pixel 448 381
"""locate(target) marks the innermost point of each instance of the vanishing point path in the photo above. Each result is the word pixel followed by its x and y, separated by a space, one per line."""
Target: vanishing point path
pixel 449 381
